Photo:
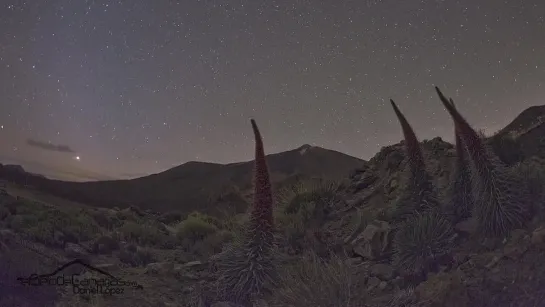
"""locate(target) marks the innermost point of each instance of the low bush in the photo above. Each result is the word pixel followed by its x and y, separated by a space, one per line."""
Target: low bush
pixel 136 257
pixel 171 217
pixel 195 228
pixel 302 207
pixel 316 282
pixel 421 240
pixel 53 226
pixel 145 234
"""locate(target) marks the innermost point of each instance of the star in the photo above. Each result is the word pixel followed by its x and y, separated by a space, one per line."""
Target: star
pixel 138 94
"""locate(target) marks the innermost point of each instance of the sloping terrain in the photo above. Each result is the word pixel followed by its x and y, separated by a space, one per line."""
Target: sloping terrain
pixel 193 185
pixel 523 138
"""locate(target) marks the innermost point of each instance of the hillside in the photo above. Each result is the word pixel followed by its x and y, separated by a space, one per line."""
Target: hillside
pixel 523 138
pixel 194 185
pixel 527 120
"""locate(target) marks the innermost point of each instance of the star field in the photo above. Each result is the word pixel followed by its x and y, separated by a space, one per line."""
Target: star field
pixel 135 87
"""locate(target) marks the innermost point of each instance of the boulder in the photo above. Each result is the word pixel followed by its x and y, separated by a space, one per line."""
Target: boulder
pixel 372 283
pixel 382 271
pixel 466 227
pixel 374 241
pixel 444 289
pixel 75 250
pixel 160 268
pixel 517 245
pixel 538 237
pixel 365 182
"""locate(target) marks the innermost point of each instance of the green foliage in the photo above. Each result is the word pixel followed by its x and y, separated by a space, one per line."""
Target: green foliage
pixel 418 196
pixel 303 206
pixel 422 239
pixel 294 226
pixel 211 244
pixel 126 215
pixel 52 226
pixel 321 193
pixel 201 234
pixel 171 217
pixel 145 234
pixel 234 223
pixel 106 220
pixel 195 228
pixel 315 282
pixel 207 218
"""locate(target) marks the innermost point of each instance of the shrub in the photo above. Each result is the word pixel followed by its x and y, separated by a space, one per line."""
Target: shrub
pixel 195 228
pixel 106 220
pixel 4 213
pixel 294 226
pixel 52 226
pixel 315 282
pixel 303 206
pixel 207 218
pixel 421 241
pixel 171 217
pixel 126 215
pixel 137 258
pixel 322 194
pixel 211 244
pixel 533 176
pixel 145 234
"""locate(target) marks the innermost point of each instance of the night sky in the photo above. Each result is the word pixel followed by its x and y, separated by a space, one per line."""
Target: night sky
pixel 135 87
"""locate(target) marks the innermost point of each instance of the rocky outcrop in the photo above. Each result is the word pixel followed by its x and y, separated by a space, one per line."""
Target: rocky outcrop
pixel 373 242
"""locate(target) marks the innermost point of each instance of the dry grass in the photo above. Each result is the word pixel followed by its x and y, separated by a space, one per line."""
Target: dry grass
pixel 319 283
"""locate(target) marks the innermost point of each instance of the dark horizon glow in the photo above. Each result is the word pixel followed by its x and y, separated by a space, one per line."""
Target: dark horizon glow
pixel 137 87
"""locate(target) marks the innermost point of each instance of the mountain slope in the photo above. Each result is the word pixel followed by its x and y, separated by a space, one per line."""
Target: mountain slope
pixel 527 120
pixel 523 138
pixel 194 185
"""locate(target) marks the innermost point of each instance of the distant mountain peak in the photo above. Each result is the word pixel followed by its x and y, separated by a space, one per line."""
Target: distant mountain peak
pixel 304 149
pixel 527 120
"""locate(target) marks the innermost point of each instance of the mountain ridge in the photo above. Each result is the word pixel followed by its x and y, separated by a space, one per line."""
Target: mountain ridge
pixel 194 184
pixel 198 185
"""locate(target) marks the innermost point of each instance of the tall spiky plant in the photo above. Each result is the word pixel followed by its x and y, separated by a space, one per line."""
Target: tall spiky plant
pixel 459 198
pixel 501 199
pixel 419 194
pixel 247 269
